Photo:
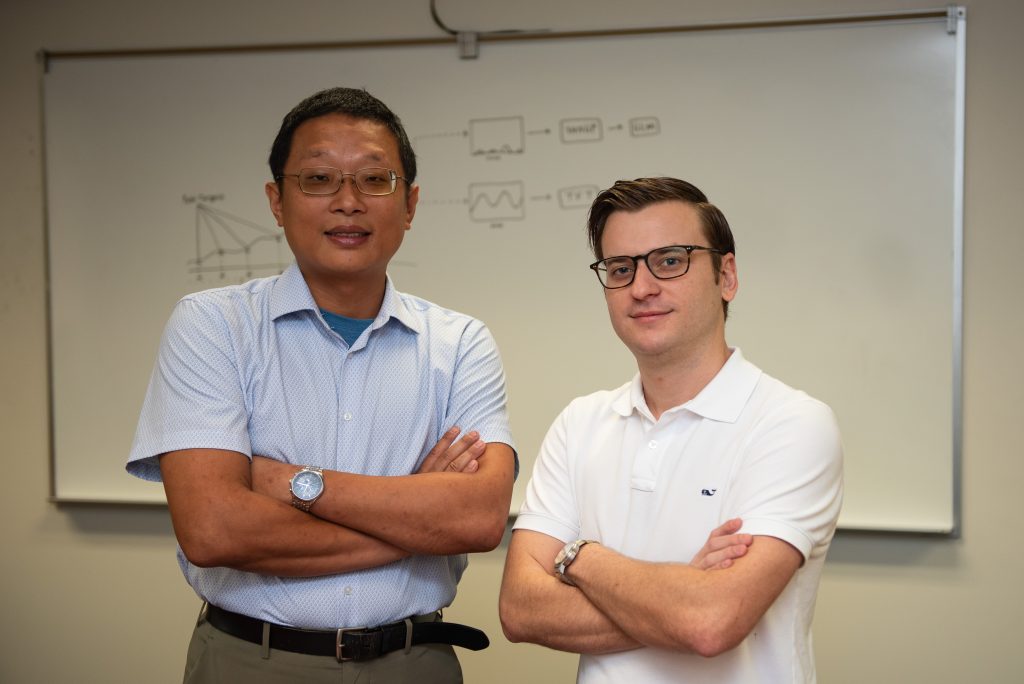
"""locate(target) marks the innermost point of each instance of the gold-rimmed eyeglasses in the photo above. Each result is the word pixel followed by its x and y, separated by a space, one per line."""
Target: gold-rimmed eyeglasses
pixel 326 180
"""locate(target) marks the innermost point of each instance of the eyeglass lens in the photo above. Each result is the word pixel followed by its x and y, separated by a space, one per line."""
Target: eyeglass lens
pixel 667 262
pixel 324 180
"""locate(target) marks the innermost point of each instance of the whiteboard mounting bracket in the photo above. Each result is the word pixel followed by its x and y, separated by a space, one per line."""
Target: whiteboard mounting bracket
pixel 469 44
pixel 953 15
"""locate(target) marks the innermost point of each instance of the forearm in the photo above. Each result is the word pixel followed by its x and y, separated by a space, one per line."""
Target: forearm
pixel 680 607
pixel 272 539
pixel 435 513
pixel 538 608
pixel 220 521
pixel 429 513
pixel 621 603
pixel 657 604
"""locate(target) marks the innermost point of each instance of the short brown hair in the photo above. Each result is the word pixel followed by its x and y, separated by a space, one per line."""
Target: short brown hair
pixel 637 194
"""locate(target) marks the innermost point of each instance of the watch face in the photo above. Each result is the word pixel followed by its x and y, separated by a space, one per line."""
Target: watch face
pixel 307 485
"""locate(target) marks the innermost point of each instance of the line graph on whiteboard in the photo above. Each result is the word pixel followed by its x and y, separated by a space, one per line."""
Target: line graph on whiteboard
pixel 232 248
pixel 497 201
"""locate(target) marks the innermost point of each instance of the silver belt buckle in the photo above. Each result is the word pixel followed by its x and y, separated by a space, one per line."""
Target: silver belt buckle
pixel 339 645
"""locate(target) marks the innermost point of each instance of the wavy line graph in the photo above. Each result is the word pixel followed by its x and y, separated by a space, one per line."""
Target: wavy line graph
pixel 226 243
pixel 497 201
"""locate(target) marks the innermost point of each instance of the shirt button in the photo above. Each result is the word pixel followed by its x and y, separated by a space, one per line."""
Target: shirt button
pixel 347 416
pixel 653 444
pixel 348 591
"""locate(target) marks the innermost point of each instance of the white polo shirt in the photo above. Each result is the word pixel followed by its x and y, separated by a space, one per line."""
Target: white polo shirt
pixel 747 446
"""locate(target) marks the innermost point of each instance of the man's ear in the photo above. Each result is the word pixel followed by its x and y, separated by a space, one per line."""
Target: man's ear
pixel 728 279
pixel 412 198
pixel 273 191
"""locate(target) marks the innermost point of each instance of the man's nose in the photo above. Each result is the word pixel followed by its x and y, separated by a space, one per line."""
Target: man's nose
pixel 644 283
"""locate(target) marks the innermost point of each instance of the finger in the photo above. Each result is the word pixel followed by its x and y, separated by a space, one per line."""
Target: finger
pixel 730 526
pixel 467 441
pixel 436 453
pixel 722 558
pixel 718 543
pixel 470 453
pixel 470 467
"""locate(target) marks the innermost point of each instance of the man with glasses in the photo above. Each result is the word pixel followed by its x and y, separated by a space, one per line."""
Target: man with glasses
pixel 330 447
pixel 608 557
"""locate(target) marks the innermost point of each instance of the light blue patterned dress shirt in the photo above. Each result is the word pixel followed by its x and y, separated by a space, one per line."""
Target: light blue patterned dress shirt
pixel 255 369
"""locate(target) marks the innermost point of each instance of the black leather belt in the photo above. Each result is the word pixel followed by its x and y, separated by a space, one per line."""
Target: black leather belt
pixel 346 644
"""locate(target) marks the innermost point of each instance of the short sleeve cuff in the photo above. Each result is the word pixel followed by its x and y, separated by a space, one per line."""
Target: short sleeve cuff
pixel 536 522
pixel 774 528
pixel 145 458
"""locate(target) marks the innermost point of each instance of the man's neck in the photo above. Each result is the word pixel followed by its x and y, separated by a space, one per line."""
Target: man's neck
pixel 354 298
pixel 668 383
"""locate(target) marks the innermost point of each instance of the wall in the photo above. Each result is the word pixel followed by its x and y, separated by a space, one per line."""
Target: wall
pixel 93 594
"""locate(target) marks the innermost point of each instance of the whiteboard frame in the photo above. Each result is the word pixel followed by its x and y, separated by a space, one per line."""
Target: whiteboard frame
pixel 956 23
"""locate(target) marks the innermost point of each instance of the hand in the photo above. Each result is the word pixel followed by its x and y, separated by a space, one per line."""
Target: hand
pixel 454 456
pixel 723 545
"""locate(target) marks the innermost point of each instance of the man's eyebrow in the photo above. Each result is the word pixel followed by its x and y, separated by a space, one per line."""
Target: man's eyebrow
pixel 320 152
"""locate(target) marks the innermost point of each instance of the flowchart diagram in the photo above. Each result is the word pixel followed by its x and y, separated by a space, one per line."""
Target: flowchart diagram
pixel 498 138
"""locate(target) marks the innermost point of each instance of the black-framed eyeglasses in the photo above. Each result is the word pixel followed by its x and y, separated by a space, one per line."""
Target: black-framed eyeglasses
pixel 664 263
pixel 326 180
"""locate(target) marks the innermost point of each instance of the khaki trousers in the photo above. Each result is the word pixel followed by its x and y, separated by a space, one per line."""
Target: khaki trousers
pixel 218 658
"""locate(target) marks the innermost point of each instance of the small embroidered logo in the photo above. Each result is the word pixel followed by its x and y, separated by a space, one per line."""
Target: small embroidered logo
pixel 708 492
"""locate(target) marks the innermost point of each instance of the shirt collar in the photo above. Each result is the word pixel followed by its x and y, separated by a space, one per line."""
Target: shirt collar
pixel 291 294
pixel 395 306
pixel 721 400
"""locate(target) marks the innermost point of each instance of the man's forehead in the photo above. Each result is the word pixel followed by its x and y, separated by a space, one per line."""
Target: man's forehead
pixel 319 137
pixel 659 218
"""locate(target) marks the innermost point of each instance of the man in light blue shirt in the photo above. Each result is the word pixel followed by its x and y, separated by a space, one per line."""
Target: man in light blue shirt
pixel 306 428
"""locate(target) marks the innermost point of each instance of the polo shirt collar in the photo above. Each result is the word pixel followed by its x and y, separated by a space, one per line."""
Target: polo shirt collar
pixel 721 400
pixel 291 294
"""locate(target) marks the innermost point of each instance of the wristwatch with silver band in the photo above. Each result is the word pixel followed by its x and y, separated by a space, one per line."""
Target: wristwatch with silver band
pixel 306 486
pixel 566 556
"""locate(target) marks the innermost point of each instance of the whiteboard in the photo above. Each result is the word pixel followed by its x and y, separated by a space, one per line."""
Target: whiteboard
pixel 832 150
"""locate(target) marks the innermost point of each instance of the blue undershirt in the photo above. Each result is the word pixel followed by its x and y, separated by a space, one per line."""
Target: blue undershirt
pixel 349 328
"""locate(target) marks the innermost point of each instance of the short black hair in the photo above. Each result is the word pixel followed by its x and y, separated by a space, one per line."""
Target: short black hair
pixel 354 102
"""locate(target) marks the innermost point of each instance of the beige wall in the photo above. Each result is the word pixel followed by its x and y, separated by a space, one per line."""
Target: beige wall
pixel 93 594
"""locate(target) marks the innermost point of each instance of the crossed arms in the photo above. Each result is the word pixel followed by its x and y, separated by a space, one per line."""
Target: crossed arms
pixel 620 603
pixel 228 512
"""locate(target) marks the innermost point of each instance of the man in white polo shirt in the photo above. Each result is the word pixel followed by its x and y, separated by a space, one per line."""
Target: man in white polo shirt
pixel 606 559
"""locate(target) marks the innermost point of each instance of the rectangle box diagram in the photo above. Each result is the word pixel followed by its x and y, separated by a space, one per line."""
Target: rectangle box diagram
pixel 644 126
pixel 578 196
pixel 580 130
pixel 503 135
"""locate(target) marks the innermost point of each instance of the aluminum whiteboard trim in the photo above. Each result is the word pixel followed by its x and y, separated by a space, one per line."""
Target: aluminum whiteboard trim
pixel 908 15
